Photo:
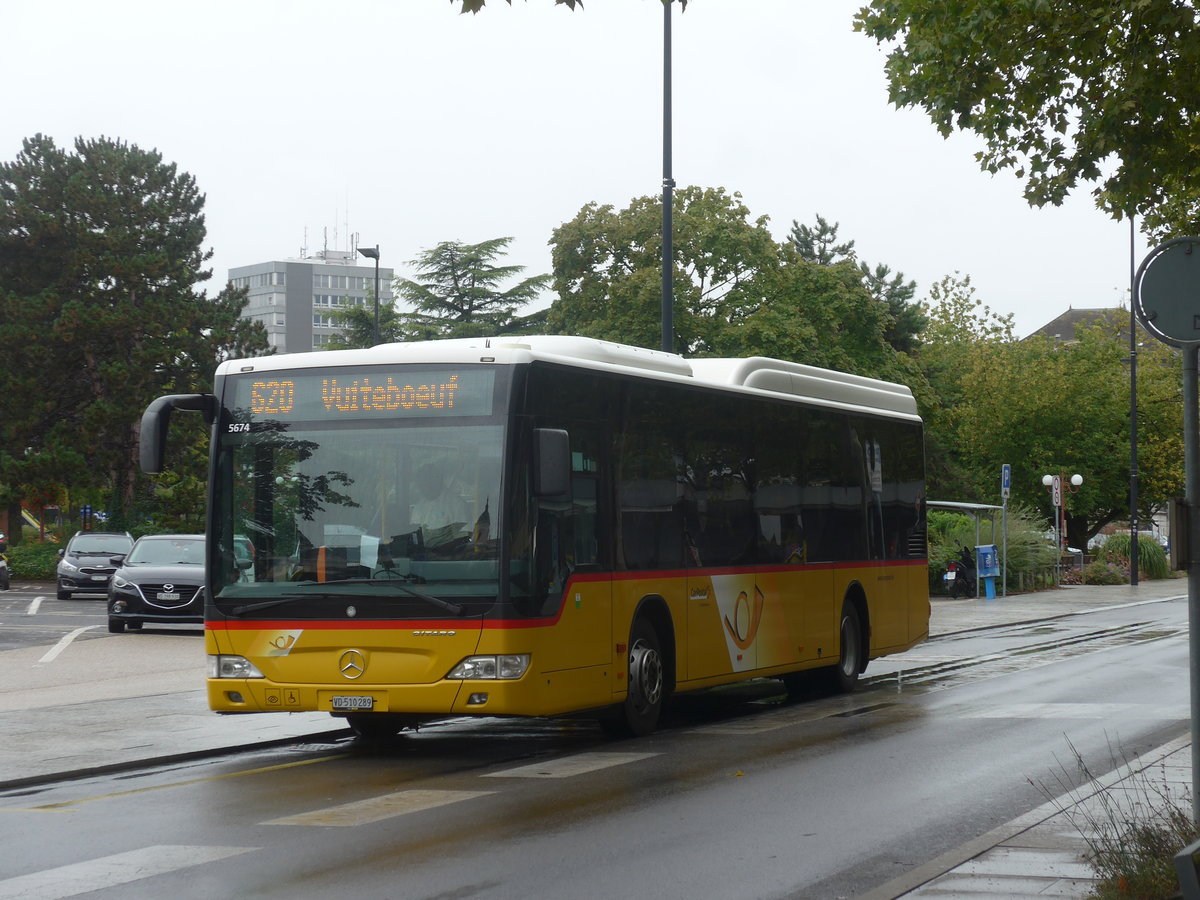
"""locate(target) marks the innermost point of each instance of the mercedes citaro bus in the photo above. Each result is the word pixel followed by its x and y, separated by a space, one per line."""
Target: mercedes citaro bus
pixel 547 525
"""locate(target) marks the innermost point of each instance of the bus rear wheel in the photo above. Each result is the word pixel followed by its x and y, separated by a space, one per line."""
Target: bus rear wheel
pixel 646 684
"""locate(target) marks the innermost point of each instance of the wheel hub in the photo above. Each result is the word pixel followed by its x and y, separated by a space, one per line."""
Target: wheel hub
pixel 645 675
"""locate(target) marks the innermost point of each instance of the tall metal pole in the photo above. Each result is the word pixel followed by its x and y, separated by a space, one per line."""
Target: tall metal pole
pixel 668 300
pixel 376 295
pixel 1133 422
pixel 1191 458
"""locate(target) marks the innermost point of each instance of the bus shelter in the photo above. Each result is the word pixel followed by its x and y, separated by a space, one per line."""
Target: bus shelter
pixel 977 511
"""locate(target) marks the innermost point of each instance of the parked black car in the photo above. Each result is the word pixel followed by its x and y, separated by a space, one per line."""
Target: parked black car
pixel 159 581
pixel 86 564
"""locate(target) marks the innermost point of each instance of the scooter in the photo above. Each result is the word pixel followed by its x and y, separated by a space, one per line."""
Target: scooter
pixel 960 579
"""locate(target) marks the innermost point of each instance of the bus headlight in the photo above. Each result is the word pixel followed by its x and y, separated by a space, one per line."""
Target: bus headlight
pixel 507 666
pixel 232 667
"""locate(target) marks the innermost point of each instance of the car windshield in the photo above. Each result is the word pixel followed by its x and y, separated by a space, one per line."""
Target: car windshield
pixel 101 544
pixel 167 552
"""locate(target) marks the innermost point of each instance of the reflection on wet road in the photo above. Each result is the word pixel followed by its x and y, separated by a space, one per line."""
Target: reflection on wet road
pixel 744 793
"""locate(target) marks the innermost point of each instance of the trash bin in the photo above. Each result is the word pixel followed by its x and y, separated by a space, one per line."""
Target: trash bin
pixel 987 563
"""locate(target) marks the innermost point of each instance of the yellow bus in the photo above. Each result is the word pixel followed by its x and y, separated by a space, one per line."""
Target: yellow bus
pixel 545 525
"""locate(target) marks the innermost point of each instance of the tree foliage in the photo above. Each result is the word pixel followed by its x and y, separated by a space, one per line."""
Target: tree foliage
pixel 458 292
pixel 1050 408
pixel 959 327
pixel 819 245
pixel 100 252
pixel 358 325
pixel 737 291
pixel 1060 93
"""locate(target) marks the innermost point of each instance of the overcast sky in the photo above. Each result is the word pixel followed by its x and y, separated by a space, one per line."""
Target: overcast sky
pixel 408 124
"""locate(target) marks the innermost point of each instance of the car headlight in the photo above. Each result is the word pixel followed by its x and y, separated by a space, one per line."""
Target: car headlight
pixel 221 666
pixel 68 567
pixel 120 582
pixel 506 666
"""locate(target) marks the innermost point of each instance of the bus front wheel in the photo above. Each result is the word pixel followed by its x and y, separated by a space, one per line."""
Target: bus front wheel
pixel 850 661
pixel 374 726
pixel 645 682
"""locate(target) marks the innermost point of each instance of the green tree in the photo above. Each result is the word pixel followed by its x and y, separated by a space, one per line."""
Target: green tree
pixel 100 252
pixel 1060 93
pixel 608 268
pixel 819 245
pixel 959 328
pixel 358 324
pixel 1050 408
pixel 458 292
pixel 737 291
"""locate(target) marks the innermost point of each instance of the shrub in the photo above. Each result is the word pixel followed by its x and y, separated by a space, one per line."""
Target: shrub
pixel 1132 828
pixel 33 560
pixel 1152 559
pixel 1028 550
pixel 1103 572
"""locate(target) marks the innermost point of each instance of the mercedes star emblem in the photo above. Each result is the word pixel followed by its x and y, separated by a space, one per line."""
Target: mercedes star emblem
pixel 352 664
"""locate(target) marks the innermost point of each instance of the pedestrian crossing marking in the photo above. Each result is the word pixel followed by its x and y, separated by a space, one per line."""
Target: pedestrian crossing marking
pixel 110 871
pixel 570 766
pixel 376 809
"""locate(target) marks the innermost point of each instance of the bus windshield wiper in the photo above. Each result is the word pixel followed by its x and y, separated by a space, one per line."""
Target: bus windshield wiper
pixel 455 609
pixel 267 604
pixel 450 607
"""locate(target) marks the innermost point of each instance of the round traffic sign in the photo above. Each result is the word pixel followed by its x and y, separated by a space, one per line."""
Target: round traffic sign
pixel 1167 291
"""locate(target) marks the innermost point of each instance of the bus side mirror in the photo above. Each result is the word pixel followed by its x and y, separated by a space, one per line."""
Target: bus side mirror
pixel 551 462
pixel 156 418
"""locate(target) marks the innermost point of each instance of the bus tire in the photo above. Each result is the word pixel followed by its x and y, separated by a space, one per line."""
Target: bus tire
pixel 844 676
pixel 646 683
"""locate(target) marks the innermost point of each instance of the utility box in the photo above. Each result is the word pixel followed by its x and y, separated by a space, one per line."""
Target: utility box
pixel 987 561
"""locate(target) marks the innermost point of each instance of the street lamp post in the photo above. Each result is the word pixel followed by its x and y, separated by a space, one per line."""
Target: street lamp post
pixel 373 253
pixel 1058 490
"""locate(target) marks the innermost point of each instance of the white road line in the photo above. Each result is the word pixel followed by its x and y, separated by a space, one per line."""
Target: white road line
pixel 569 766
pixel 64 642
pixel 109 871
pixel 33 607
pixel 375 809
pixel 1076 711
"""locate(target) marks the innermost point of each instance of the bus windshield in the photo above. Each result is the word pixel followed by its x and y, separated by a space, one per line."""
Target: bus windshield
pixel 401 512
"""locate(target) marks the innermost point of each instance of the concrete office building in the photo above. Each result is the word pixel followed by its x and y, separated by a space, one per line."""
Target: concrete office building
pixel 293 298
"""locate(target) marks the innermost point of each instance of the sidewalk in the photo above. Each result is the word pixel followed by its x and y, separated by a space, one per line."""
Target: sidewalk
pixel 1041 854
pixel 79 713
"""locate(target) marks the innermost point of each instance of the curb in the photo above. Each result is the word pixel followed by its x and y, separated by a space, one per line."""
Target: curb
pixel 150 762
pixel 952 859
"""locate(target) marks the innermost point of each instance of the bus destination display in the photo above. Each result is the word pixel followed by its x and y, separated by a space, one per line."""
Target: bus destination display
pixel 364 393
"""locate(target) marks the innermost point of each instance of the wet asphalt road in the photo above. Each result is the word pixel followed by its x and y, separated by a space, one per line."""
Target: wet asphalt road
pixel 743 794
